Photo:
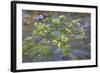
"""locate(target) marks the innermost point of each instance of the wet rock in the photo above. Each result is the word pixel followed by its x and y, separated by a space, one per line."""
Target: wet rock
pixel 81 53
pixel 38 18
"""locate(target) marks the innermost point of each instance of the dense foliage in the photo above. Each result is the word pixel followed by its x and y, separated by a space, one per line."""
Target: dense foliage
pixel 52 32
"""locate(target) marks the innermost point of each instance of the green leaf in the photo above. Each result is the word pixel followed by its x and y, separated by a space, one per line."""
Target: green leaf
pixel 47 52
pixel 63 31
pixel 65 51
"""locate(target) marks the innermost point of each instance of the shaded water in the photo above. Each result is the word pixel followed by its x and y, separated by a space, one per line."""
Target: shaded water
pixel 79 50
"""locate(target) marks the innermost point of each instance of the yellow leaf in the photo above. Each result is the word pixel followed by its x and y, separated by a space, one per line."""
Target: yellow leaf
pixel 59 44
pixel 55 41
